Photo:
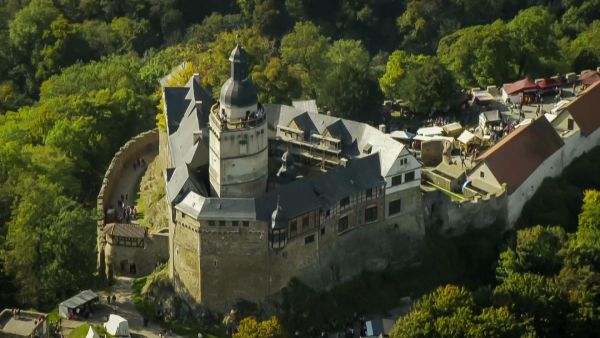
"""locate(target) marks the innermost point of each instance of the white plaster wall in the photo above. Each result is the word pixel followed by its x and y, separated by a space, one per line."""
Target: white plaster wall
pixel 488 176
pixel 236 113
pixel 575 146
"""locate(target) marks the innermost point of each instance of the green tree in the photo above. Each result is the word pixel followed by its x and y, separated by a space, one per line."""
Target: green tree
pixel 213 64
pixel 396 69
pixel 347 89
pixel 536 251
pixel 211 26
pixel 306 47
pixel 430 87
pixel 479 55
pixel 278 82
pixel 249 327
pixel 532 32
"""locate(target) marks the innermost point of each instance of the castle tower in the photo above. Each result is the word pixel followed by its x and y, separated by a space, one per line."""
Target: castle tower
pixel 238 136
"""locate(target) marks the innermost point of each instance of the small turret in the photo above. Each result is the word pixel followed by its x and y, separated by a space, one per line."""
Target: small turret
pixel 238 94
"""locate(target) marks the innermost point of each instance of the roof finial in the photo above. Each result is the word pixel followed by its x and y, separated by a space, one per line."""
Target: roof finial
pixel 237 39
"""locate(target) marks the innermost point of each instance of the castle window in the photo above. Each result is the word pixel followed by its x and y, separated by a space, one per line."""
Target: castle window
pixel 343 224
pixel 344 202
pixel 371 214
pixel 481 174
pixel 323 231
pixel 222 223
pixel 309 239
pixel 211 223
pixel 278 238
pixel 396 180
pixel 395 206
pixel 293 227
pixel 305 222
pixel 369 193
pixel 245 223
pixel 235 223
pixel 409 176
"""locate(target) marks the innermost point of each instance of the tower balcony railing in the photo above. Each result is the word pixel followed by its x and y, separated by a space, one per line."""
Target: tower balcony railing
pixel 253 119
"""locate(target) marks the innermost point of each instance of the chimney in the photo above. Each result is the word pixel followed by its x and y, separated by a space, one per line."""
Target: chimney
pixel 382 128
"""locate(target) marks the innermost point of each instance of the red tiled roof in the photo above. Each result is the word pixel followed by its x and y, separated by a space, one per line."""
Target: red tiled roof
pixel 589 78
pixel 517 156
pixel 549 83
pixel 585 109
pixel 519 86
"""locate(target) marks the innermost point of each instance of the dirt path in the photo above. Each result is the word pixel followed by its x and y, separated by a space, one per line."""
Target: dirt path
pixel 125 308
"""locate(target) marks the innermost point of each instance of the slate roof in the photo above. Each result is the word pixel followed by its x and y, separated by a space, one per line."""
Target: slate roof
pixel 176 106
pixel 355 135
pixel 308 106
pixel 81 298
pixel 296 198
pixel 517 156
pixel 125 230
pixel 187 110
pixel 585 109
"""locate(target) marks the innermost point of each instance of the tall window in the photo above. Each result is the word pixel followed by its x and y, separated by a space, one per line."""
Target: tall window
pixel 397 180
pixel 369 193
pixel 293 228
pixel 343 224
pixel 344 202
pixel 305 222
pixel 278 238
pixel 371 214
pixel 395 206
pixel 409 176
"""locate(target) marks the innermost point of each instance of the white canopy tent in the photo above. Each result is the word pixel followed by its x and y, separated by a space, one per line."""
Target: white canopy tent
pixel 402 135
pixel 466 137
pixel 117 326
pixel 91 333
pixel 430 131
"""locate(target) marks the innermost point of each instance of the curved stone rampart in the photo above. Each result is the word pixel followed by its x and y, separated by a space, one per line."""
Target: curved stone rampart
pixel 123 158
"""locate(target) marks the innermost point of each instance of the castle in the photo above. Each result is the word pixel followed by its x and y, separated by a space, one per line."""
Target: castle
pixel 261 193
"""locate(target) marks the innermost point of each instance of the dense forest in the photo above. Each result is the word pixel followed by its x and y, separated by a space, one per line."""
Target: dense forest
pixel 80 77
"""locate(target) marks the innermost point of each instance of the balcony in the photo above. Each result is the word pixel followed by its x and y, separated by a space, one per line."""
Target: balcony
pixel 254 119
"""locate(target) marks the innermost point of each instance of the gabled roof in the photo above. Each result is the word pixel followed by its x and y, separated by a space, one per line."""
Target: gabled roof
pixel 519 86
pixel 125 230
pixel 304 122
pixel 549 83
pixel 585 109
pixel 492 115
pixel 176 105
pixel 589 78
pixel 517 156
pixel 307 106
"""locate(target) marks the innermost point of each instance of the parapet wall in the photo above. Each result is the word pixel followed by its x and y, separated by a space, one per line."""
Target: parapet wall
pixel 575 145
pixel 452 218
pixel 123 158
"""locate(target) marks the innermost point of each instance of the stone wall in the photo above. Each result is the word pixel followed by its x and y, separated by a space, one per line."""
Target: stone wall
pixel 123 158
pixel 236 262
pixel 575 145
pixel 154 252
pixel 452 218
